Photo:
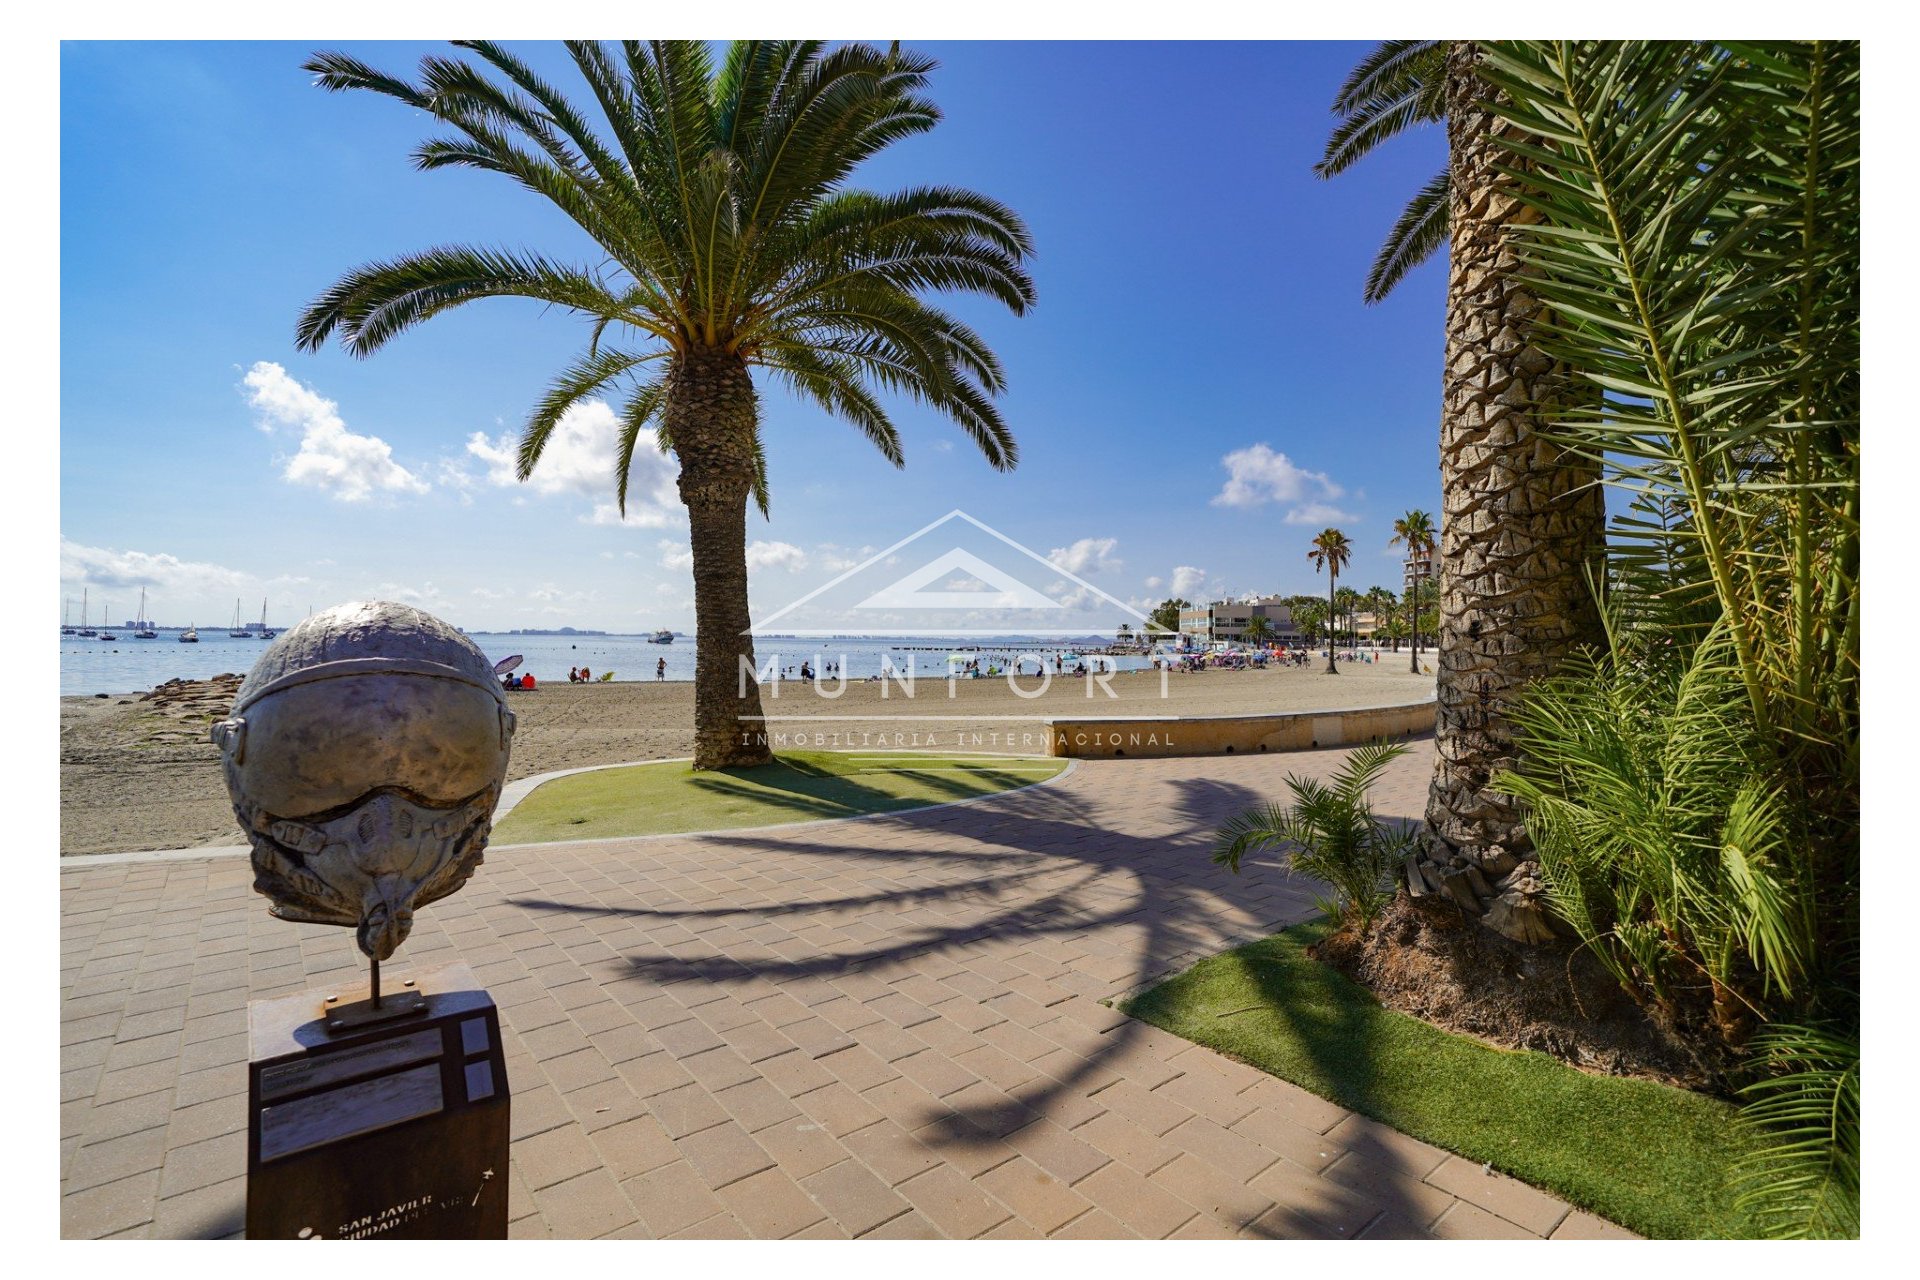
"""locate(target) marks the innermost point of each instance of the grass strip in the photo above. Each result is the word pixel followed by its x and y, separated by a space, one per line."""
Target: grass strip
pixel 1652 1158
pixel 799 786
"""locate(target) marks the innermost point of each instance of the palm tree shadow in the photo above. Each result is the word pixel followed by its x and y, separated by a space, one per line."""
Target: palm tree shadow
pixel 802 786
pixel 1159 882
pixel 1342 1045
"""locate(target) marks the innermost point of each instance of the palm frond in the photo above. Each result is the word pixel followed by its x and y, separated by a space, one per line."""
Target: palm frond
pixel 1803 1113
pixel 578 381
pixel 1419 233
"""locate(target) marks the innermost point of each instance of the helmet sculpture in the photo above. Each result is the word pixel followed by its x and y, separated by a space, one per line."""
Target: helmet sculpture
pixel 364 755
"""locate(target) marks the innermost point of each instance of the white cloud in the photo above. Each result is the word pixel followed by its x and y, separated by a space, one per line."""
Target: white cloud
pixel 676 555
pixel 580 460
pixel 1320 513
pixel 426 596
pixel 350 466
pixel 776 555
pixel 169 577
pixel 1088 555
pixel 1187 580
pixel 1154 583
pixel 1258 474
pixel 838 559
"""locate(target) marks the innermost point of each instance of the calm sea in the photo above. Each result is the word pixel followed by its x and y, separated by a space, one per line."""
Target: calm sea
pixel 132 666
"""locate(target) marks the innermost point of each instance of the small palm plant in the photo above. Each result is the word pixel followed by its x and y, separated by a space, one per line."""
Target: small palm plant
pixel 1330 833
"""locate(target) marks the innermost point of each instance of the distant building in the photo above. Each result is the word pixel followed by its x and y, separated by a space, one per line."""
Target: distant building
pixel 1226 621
pixel 1419 570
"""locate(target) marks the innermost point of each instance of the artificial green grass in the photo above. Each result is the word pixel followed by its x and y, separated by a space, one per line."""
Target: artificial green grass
pixel 1652 1158
pixel 799 786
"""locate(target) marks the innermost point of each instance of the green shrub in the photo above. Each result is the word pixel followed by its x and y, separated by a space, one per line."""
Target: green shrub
pixel 1330 833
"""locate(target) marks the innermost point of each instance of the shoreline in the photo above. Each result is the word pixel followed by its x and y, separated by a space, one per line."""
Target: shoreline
pixel 137 771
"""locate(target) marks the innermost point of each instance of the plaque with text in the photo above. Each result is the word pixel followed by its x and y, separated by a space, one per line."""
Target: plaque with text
pixel 394 1130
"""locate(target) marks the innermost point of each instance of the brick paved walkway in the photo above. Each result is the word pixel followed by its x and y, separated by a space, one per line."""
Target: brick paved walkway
pixel 884 1028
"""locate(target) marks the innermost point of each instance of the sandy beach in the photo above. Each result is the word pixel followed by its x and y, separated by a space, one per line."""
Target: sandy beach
pixel 140 774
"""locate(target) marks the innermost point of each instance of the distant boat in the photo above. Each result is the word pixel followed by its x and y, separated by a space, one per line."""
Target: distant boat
pixel 66 618
pixel 146 631
pixel 85 630
pixel 237 632
pixel 264 633
pixel 189 636
pixel 662 636
pixel 104 633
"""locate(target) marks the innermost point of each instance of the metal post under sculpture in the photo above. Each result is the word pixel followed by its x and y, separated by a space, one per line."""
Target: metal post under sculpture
pixel 365 754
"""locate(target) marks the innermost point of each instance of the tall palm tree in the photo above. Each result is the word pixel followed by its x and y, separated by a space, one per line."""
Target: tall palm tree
pixel 1259 629
pixel 1331 551
pixel 725 239
pixel 1380 603
pixel 1350 609
pixel 1414 531
pixel 1522 520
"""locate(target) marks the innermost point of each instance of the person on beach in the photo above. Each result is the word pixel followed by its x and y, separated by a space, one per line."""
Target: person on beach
pixel 660 670
pixel 573 675
pixel 585 675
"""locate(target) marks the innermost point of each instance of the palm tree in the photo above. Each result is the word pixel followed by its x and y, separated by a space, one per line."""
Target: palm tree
pixel 1349 601
pixel 1414 531
pixel 1380 603
pixel 1331 551
pixel 1522 518
pixel 725 239
pixel 1258 628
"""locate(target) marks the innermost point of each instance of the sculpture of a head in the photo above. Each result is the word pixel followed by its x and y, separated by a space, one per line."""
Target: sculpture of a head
pixel 364 754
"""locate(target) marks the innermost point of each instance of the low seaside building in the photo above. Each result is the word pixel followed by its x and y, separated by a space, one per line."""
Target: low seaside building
pixel 1226 621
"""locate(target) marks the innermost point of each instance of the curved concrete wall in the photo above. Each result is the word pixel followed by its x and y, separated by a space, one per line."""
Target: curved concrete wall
pixel 1099 736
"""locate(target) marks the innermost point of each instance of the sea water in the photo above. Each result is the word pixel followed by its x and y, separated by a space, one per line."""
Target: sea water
pixel 91 666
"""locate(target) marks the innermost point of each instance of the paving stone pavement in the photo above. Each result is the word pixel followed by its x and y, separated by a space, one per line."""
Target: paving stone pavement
pixel 888 1028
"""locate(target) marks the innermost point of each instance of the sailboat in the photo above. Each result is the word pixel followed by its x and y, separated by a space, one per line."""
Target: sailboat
pixel 263 633
pixel 189 636
pixel 146 631
pixel 237 632
pixel 104 633
pixel 85 630
pixel 66 618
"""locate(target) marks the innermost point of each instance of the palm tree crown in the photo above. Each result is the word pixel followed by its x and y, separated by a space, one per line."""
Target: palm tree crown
pixel 1399 84
pixel 726 239
pixel 716 198
pixel 1415 532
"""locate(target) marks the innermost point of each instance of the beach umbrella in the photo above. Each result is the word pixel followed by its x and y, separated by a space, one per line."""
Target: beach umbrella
pixel 505 665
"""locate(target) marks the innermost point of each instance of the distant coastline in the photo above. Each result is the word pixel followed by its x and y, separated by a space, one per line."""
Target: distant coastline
pixel 541 631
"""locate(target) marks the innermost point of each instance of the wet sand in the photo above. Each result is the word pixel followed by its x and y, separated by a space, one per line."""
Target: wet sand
pixel 141 774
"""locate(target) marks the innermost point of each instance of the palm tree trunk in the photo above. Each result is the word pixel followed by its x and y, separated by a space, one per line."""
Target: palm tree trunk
pixel 710 414
pixel 1413 628
pixel 1333 621
pixel 1522 523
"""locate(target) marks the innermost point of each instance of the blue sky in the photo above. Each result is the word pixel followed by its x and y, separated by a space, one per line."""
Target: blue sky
pixel 1198 392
